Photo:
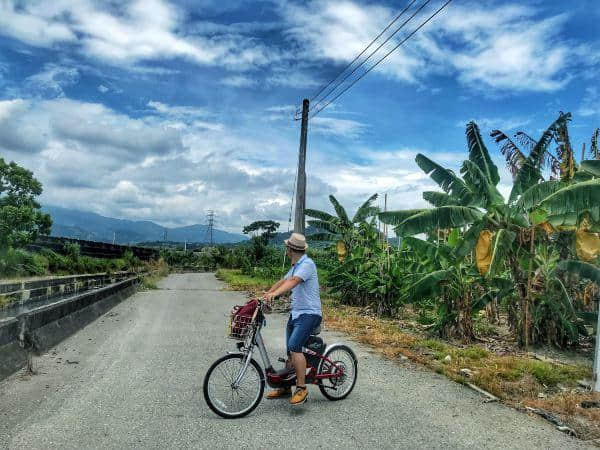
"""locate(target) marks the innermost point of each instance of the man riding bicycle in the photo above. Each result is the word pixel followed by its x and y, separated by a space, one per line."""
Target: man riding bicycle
pixel 305 314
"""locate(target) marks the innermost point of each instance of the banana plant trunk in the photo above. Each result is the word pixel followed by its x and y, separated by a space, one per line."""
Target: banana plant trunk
pixel 515 314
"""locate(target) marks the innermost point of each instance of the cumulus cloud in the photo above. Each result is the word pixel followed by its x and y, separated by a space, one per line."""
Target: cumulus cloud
pixel 91 157
pixel 126 34
pixel 507 47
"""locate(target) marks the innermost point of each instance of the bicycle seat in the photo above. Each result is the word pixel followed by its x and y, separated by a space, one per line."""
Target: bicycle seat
pixel 316 331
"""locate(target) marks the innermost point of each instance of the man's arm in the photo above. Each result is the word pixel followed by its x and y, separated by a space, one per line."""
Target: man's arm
pixel 275 286
pixel 284 286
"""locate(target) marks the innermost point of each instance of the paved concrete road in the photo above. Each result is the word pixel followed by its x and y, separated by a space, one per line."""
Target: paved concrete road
pixel 133 379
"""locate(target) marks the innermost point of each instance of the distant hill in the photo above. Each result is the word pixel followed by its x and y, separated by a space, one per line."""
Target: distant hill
pixel 87 225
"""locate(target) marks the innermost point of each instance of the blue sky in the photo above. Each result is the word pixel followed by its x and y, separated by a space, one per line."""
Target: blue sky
pixel 160 109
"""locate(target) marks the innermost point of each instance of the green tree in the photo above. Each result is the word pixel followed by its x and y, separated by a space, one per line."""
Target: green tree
pixel 341 227
pixel 265 228
pixel 21 220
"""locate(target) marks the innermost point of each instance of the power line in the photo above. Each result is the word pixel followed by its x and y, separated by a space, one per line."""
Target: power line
pixel 419 9
pixel 315 96
pixel 384 57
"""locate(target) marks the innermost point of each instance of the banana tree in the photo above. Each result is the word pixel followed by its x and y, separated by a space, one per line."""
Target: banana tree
pixel 474 202
pixel 340 228
pixel 370 275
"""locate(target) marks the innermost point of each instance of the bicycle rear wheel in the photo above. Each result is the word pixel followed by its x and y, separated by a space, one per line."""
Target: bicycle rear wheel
pixel 222 397
pixel 338 388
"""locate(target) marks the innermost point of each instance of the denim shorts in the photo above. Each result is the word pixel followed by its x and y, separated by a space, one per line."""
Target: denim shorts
pixel 298 331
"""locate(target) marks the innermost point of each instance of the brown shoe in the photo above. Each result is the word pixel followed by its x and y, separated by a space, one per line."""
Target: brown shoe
pixel 300 396
pixel 278 393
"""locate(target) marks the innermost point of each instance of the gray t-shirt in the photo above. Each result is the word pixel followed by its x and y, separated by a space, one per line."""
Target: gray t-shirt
pixel 305 296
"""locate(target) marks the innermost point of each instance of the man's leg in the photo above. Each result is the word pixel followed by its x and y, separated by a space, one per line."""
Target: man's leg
pixel 303 326
pixel 284 392
pixel 299 363
pixel 288 333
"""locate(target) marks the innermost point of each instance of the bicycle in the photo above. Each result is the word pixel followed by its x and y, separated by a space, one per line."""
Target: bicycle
pixel 234 384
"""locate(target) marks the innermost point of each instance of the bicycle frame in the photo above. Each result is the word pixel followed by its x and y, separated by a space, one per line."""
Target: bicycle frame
pixel 274 378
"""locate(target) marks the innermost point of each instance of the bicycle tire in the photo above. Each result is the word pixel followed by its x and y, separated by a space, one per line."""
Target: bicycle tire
pixel 325 390
pixel 246 411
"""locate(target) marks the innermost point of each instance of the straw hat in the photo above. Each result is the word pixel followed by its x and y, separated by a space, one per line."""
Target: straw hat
pixel 296 242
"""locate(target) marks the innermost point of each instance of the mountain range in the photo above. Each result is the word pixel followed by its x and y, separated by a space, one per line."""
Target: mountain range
pixel 94 227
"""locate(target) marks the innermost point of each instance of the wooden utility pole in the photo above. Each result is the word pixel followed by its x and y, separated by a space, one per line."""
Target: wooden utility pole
pixel 301 181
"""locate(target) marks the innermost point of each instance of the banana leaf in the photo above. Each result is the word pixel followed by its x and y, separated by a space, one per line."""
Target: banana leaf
pixel 366 210
pixel 533 196
pixel 442 217
pixel 321 215
pixel 530 172
pixel 480 185
pixel 323 225
pixel 512 153
pixel 479 154
pixel 397 217
pixel 502 244
pixel 592 166
pixel 575 199
pixel 583 269
pixel 440 198
pixel 340 211
pixel 428 284
pixel 445 178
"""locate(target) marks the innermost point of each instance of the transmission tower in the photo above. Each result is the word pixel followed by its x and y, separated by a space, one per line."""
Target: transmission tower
pixel 210 222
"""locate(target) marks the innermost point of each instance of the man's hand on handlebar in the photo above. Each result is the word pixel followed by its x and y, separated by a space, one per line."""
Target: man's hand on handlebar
pixel 269 296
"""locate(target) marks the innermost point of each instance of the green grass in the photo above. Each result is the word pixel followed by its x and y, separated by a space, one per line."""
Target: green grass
pixel 474 353
pixel 237 281
pixel 435 345
pixel 5 301
pixel 149 283
pixel 552 375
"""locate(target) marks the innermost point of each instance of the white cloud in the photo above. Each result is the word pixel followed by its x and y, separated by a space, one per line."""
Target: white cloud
pixel 590 106
pixel 238 81
pixel 291 78
pixel 179 112
pixel 507 47
pixel 126 35
pixel 496 123
pixel 51 81
pixel 103 89
pixel 33 29
pixel 94 158
pixel 337 127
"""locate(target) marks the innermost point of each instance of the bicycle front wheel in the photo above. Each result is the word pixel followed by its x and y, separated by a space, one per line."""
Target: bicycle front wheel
pixel 220 394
